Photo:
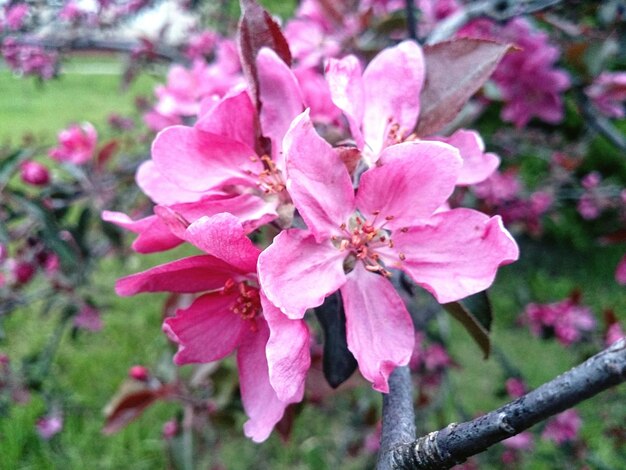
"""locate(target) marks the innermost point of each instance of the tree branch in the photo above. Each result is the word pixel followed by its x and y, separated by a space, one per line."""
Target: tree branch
pixel 398 416
pixel 601 124
pixel 498 10
pixel 454 444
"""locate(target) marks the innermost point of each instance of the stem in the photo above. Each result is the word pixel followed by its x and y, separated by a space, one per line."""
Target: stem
pixel 410 19
pixel 454 444
pixel 398 416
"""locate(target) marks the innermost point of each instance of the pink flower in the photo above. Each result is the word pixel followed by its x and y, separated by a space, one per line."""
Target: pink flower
pixel 14 16
pixel 170 429
pixel 521 441
pixel 620 272
pixel 34 173
pixel 530 84
pixel 562 427
pixel 77 144
pixel 228 316
pixel 389 224
pixel 567 320
pixel 515 387
pixel 88 319
pixel 608 93
pixel 613 333
pixel 382 105
pixel 49 425
pixel 140 373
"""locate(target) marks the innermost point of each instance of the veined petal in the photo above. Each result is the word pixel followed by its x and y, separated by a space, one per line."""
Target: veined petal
pixel 259 398
pixel 415 178
pixel 201 161
pixel 392 82
pixel 297 273
pixel 233 116
pixel 477 165
pixel 281 100
pixel 379 329
pixel 288 352
pixel 345 81
pixel 222 236
pixel 187 275
pixel 207 330
pixel 317 180
pixel 159 188
pixel 454 254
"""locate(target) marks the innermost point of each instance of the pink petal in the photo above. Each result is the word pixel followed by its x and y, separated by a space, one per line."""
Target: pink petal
pixel 122 220
pixel 454 254
pixel 379 329
pixel 259 398
pixel 160 189
pixel 187 275
pixel 477 165
pixel 206 331
pixel 288 352
pixel 297 273
pixel 415 178
pixel 392 82
pixel 223 237
pixel 200 161
pixel 281 99
pixel 620 272
pixel 347 91
pixel 317 180
pixel 233 116
pixel 153 233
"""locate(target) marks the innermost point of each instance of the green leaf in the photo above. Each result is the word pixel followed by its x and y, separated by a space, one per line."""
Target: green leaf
pixel 9 164
pixel 475 314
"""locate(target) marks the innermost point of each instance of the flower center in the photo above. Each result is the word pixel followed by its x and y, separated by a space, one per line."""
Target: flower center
pixel 362 238
pixel 270 180
pixel 247 303
pixel 397 134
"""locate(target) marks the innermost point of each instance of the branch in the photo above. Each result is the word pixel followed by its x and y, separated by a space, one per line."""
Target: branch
pixel 454 444
pixel 497 10
pixel 398 416
pixel 410 19
pixel 601 124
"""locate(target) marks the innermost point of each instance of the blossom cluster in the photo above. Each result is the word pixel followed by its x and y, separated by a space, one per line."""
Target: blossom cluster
pixel 337 218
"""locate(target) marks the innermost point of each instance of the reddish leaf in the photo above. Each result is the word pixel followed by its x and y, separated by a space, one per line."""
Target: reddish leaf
pixel 455 70
pixel 106 152
pixel 130 401
pixel 257 29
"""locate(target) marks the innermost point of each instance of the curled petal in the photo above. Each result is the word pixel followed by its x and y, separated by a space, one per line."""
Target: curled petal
pixel 297 273
pixel 187 275
pixel 317 180
pixel 207 330
pixel 379 329
pixel 288 353
pixel 154 235
pixel 415 178
pixel 259 398
pixel 455 254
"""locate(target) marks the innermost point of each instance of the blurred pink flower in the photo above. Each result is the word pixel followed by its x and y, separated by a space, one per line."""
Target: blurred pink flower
pixel 201 44
pixel 14 16
pixel 140 373
pixel 77 144
pixel 170 429
pixel 88 319
pixel 608 93
pixel 562 427
pixel 34 173
pixel 567 320
pixel 49 425
pixel 620 272
pixel 515 387
pixel 521 441
pixel 613 333
pixel 29 60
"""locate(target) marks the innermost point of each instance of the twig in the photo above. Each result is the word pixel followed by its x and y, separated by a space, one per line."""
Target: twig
pixel 398 416
pixel 601 124
pixel 454 444
pixel 410 19
pixel 498 10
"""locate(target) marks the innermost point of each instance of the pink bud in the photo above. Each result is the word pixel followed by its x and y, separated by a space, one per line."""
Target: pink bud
pixel 23 272
pixel 170 429
pixel 140 373
pixel 34 173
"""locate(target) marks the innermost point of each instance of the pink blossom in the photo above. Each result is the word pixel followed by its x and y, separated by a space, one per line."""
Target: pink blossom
pixel 201 44
pixel 29 60
pixel 452 254
pixel 499 188
pixel 530 84
pixel 613 333
pixel 515 387
pixel 49 425
pixel 563 427
pixel 230 315
pixel 140 373
pixel 34 173
pixel 23 272
pixel 567 320
pixel 77 144
pixel 620 272
pixel 88 319
pixel 170 429
pixel 608 93
pixel 521 441
pixel 588 207
pixel 382 105
pixel 14 16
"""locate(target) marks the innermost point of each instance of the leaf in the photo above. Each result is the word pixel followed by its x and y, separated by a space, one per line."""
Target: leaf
pixel 9 164
pixel 475 314
pixel 257 29
pixel 130 401
pixel 338 361
pixel 455 70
